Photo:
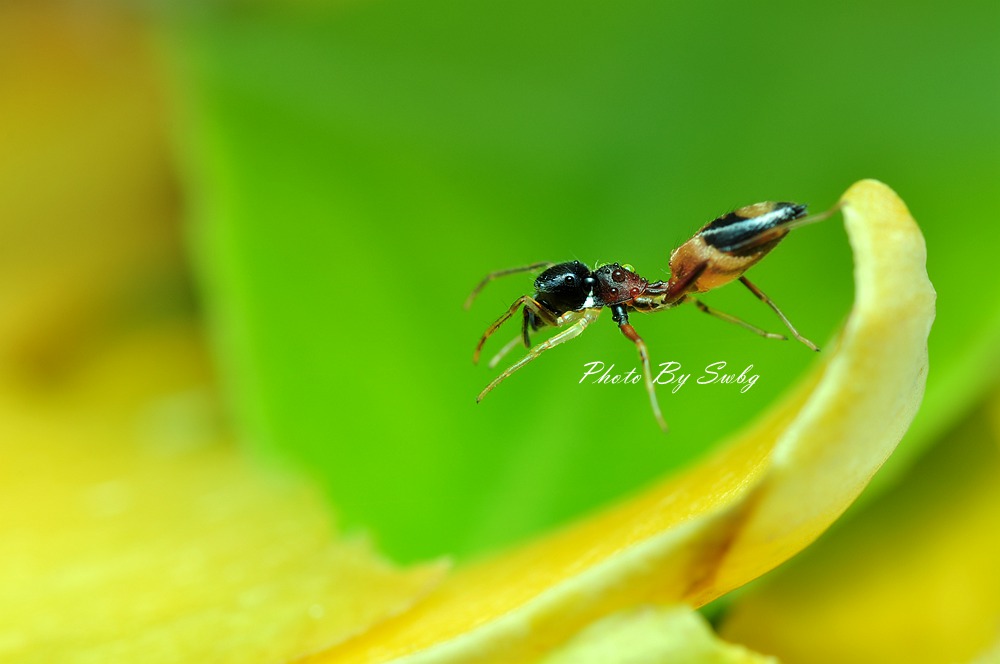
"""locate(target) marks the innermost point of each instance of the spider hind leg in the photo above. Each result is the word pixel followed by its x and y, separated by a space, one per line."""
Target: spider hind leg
pixel 766 300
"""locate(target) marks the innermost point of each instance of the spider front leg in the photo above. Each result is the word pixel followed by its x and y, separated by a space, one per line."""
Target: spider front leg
pixel 527 324
pixel 766 300
pixel 620 315
pixel 503 273
pixel 529 303
pixel 578 322
pixel 502 353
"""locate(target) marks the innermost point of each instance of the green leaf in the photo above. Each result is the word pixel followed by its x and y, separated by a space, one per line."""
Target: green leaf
pixel 355 170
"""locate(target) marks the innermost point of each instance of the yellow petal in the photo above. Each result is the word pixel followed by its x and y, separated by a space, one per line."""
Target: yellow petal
pixel 914 578
pixel 740 513
pixel 989 656
pixel 125 541
pixel 652 635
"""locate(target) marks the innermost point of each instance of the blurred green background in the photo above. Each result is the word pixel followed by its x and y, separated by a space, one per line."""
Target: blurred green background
pixel 351 171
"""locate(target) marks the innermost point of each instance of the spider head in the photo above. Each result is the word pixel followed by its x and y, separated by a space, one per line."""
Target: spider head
pixel 564 287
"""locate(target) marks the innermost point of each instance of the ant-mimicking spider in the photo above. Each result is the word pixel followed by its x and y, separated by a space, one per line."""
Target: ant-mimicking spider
pixel 571 295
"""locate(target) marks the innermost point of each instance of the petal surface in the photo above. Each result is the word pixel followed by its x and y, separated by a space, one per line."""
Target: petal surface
pixel 652 635
pixel 133 532
pixel 913 578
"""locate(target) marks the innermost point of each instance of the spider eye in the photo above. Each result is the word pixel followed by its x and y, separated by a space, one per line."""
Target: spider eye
pixel 569 280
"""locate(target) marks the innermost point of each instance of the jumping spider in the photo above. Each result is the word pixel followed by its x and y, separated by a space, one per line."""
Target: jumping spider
pixel 571 295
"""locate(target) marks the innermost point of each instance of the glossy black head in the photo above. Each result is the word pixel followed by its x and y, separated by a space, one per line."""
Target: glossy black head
pixel 564 287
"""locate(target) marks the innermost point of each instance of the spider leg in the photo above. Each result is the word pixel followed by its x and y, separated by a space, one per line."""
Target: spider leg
pixel 580 321
pixel 766 300
pixel 620 315
pixel 529 303
pixel 495 360
pixel 527 324
pixel 733 319
pixel 502 273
